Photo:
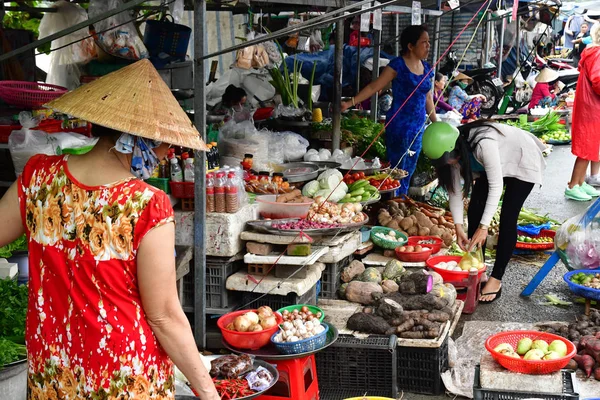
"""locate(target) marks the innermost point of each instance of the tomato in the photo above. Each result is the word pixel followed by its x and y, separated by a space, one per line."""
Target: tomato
pixel 356 176
pixel 362 175
pixel 350 181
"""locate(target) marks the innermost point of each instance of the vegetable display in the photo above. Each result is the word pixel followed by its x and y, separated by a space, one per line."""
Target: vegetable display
pixel 305 224
pixel 302 313
pixel 417 219
pixel 13 311
pixel 527 239
pixel 360 190
pixel 548 126
pixel 587 280
pixel 413 249
pixel 328 185
pixel 11 352
pixel 251 321
pixel 383 182
pixel 529 349
pixel 360 133
pixel 293 197
pixel 330 213
pixel 18 245
pixel 298 329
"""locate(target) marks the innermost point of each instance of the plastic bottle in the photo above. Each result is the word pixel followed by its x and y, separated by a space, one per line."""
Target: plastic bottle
pixel 220 183
pixel 232 204
pixel 188 172
pixel 163 169
pixel 215 154
pixel 210 192
pixel 176 172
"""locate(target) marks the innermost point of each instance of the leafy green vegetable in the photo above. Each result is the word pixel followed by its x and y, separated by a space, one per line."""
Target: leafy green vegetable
pixel 18 245
pixel 546 124
pixel 13 308
pixel 11 352
pixel 360 132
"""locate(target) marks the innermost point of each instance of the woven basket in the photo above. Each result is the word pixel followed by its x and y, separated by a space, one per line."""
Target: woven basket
pixel 29 94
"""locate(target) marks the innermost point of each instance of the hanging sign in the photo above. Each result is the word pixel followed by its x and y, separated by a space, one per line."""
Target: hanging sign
pixel 416 13
pixel 365 19
pixel 377 17
pixel 454 4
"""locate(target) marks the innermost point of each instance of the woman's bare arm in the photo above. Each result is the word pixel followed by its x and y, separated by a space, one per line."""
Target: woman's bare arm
pixel 158 290
pixel 430 107
pixel 10 216
pixel 384 79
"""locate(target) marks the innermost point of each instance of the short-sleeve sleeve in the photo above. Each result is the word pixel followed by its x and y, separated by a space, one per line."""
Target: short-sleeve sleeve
pixel 157 212
pixel 396 64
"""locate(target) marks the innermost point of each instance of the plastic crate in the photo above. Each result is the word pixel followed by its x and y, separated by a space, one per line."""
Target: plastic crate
pixel 330 279
pixel 218 298
pixel 420 369
pixel 351 366
pixel 254 300
pixel 494 394
pixel 160 183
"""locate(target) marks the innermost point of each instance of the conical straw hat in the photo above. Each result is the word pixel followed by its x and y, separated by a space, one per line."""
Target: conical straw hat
pixel 547 75
pixel 462 77
pixel 135 100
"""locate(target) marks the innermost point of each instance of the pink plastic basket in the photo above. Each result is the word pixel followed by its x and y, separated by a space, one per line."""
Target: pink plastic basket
pixel 29 94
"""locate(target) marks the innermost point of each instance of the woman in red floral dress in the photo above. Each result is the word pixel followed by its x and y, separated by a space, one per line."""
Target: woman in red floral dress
pixel 104 319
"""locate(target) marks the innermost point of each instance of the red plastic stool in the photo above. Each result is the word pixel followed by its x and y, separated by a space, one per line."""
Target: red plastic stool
pixel 297 380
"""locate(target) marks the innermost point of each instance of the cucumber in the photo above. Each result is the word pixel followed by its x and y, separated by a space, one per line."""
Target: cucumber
pixel 347 196
pixel 357 185
pixel 367 196
pixel 370 188
pixel 358 192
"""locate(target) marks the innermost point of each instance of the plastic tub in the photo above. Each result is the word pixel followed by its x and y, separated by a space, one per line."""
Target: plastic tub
pixel 413 256
pixel 246 340
pixel 435 247
pixel 532 367
pixel 312 309
pixel 270 209
pixel 387 244
pixel 450 276
pixel 580 290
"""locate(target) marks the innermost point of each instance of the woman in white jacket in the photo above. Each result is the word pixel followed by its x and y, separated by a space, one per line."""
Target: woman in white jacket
pixel 488 157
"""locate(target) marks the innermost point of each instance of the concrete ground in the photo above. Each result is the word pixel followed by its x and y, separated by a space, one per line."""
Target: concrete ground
pixel 511 307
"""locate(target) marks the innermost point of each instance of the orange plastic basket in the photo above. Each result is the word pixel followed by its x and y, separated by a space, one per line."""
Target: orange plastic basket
pixel 532 367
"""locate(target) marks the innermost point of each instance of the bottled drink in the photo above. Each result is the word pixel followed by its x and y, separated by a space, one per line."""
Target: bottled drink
pixel 210 192
pixel 176 172
pixel 163 169
pixel 231 194
pixel 220 184
pixel 209 158
pixel 188 172
pixel 215 154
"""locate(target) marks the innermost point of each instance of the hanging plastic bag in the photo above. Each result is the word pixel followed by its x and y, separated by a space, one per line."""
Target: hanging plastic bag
pixel 260 58
pixel 64 62
pixel 579 239
pixel 316 42
pixel 26 142
pixel 471 259
pixel 245 57
pixel 121 41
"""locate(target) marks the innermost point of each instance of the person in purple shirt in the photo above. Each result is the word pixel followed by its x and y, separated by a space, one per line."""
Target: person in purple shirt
pixel 441 107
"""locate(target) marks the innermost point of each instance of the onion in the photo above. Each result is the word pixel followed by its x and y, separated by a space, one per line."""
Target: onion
pixel 266 310
pixel 304 309
pixel 319 315
pixel 241 324
pixel 255 328
pixel 252 317
pixel 269 322
pixel 230 327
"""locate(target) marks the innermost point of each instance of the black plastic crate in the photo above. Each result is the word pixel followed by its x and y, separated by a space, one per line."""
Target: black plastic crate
pixel 351 366
pixel 330 279
pixel 494 394
pixel 420 368
pixel 254 300
pixel 218 298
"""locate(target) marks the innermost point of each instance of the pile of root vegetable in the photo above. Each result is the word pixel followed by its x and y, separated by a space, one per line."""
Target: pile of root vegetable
pixel 585 335
pixel 410 305
pixel 414 218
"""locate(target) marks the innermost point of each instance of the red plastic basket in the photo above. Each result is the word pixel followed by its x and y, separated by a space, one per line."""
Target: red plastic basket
pixel 246 340
pixel 538 246
pixel 532 367
pixel 29 94
pixel 413 256
pixel 182 190
pixel 450 276
pixel 436 247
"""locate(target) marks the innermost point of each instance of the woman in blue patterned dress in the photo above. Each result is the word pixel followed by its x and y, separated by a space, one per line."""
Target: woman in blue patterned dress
pixel 406 121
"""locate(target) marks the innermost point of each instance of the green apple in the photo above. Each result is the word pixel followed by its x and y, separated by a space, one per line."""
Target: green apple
pixel 504 348
pixel 552 356
pixel 512 354
pixel 534 354
pixel 540 345
pixel 524 345
pixel 558 346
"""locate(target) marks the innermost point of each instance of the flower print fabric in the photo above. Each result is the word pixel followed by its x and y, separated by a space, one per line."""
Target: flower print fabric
pixel 87 334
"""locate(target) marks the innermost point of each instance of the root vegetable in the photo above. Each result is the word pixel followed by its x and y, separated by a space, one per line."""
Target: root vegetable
pixel 424 231
pixel 438 317
pixel 423 221
pixel 242 324
pixel 431 334
pixel 413 231
pixel 353 270
pixel 406 224
pixel 389 286
pixel 405 326
pixel 436 231
pixel 389 309
pixel 362 292
pixel 393 224
pixel 597 374
pixel 268 322
pixel 427 324
pixel 434 221
pixel 368 323
pixel 384 217
pixel 572 365
pixel 586 363
pixel 416 283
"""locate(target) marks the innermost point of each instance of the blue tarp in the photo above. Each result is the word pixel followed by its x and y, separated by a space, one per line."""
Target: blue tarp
pixel 325 63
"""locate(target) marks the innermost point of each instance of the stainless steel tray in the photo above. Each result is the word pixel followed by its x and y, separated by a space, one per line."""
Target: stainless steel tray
pixel 300 171
pixel 270 352
pixel 265 226
pixel 323 165
pixel 369 170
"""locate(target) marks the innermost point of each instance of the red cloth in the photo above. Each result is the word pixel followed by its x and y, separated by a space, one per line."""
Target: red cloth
pixel 540 91
pixel 585 131
pixel 87 333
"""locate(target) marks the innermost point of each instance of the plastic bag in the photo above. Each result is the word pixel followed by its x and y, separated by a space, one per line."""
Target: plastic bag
pixel 579 238
pixel 316 42
pixel 260 59
pixel 293 145
pixel 74 143
pixel 64 70
pixel 122 41
pixel 176 9
pixel 25 143
pixel 245 57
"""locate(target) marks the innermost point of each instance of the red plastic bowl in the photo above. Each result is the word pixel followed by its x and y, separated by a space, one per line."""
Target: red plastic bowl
pixel 411 256
pixel 246 340
pixel 435 247
pixel 450 276
pixel 532 367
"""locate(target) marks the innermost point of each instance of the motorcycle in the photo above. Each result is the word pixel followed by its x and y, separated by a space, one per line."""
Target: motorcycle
pixel 567 73
pixel 484 82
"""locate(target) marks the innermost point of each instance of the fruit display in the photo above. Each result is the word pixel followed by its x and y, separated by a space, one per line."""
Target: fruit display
pixel 530 349
pixel 417 219
pixel 298 329
pixel 330 213
pixel 587 280
pixel 352 177
pixel 559 136
pixel 527 239
pixel 262 319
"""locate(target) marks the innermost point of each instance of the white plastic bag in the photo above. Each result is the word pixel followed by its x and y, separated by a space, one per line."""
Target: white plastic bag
pixel 73 143
pixel 64 70
pixel 25 143
pixel 122 41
